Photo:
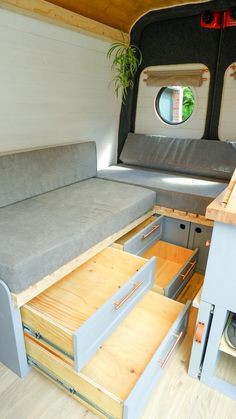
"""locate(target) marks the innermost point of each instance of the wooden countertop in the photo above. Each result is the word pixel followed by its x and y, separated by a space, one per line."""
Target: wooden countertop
pixel 223 208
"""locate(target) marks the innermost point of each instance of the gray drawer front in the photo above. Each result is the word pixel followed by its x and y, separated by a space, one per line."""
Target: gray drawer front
pixel 176 231
pixel 145 238
pixel 101 324
pixel 182 277
pixel 198 236
pixel 152 373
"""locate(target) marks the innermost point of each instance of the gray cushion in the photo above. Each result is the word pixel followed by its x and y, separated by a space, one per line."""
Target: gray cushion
pixel 215 159
pixel 41 234
pixel 182 192
pixel 27 174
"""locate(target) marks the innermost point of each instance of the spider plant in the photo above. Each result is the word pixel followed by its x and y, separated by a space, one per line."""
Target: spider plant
pixel 126 60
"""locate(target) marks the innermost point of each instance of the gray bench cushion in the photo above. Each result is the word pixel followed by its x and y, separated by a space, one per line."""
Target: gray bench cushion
pixel 27 174
pixel 173 190
pixel 41 234
pixel 214 159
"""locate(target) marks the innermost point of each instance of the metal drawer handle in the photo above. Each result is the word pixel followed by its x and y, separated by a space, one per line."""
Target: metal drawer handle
pixel 121 302
pixel 155 228
pixel 164 362
pixel 192 265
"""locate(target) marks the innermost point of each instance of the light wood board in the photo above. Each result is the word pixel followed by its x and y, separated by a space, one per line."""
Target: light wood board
pixel 191 290
pixel 170 259
pixel 23 297
pixel 49 12
pixel 120 361
pixel 223 208
pixel 183 215
pixel 187 398
pixel 60 310
pixel 119 14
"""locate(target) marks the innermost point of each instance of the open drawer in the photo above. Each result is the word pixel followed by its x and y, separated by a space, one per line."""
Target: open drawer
pixel 142 236
pixel 117 381
pixel 78 313
pixel 174 267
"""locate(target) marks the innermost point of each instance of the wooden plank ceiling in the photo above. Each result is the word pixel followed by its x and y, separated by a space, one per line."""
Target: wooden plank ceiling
pixel 119 14
pixel 105 19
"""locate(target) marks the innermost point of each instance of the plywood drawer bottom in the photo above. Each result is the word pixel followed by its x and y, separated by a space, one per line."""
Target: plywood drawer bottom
pixel 78 313
pixel 174 267
pixel 117 381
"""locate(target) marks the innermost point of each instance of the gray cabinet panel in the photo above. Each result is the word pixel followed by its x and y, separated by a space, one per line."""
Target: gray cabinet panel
pixel 176 231
pixel 199 234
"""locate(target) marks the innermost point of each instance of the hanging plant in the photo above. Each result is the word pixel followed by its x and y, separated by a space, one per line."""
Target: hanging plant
pixel 126 61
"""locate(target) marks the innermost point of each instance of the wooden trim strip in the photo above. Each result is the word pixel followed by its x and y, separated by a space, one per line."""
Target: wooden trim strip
pixel 26 295
pixel 229 190
pixel 43 10
pixel 183 215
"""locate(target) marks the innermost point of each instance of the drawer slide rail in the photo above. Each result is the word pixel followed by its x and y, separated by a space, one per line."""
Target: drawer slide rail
pixel 36 335
pixel 65 385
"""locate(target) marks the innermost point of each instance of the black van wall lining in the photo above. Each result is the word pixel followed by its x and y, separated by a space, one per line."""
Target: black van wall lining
pixel 155 34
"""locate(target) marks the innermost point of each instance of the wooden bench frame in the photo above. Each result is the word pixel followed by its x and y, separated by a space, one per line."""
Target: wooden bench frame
pixel 19 299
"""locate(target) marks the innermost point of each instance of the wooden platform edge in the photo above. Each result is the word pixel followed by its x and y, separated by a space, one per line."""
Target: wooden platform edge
pixel 49 12
pixel 23 297
pixel 184 215
pixel 223 208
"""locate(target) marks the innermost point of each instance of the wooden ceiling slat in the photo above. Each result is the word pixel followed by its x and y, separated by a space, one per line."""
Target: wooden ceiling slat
pixel 119 14
pixel 52 13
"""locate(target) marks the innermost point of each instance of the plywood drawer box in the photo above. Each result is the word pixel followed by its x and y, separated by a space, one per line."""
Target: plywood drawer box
pixel 78 313
pixel 174 267
pixel 141 237
pixel 117 381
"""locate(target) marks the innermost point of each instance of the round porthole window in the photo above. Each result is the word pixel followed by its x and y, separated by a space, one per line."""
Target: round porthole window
pixel 175 104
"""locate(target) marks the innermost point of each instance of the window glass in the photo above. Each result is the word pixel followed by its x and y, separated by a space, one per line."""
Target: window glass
pixel 175 104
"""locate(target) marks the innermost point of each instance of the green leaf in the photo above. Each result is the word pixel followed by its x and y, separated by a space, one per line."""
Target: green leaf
pixel 126 61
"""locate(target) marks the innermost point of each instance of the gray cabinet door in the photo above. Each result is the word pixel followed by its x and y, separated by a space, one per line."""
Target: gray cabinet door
pixel 176 231
pixel 199 235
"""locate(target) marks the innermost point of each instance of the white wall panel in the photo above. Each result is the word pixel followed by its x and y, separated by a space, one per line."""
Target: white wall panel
pixel 227 123
pixel 54 88
pixel 147 120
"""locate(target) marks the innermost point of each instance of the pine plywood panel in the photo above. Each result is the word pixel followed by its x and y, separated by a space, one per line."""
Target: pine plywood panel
pixel 119 14
pixel 126 353
pixel 60 310
pixel 187 398
pixel 192 291
pixel 170 259
pixel 54 87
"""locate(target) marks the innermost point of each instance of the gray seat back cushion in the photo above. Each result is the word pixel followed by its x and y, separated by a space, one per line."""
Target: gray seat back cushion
pixel 27 174
pixel 209 158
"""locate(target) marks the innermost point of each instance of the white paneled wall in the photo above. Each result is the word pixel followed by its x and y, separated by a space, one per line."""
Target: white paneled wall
pixel 147 120
pixel 54 88
pixel 227 124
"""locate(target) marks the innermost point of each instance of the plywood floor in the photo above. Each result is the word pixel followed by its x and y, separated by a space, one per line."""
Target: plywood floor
pixel 177 396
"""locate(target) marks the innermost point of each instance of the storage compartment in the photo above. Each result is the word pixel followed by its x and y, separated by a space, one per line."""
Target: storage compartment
pixel 117 381
pixel 78 313
pixel 141 237
pixel 174 267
